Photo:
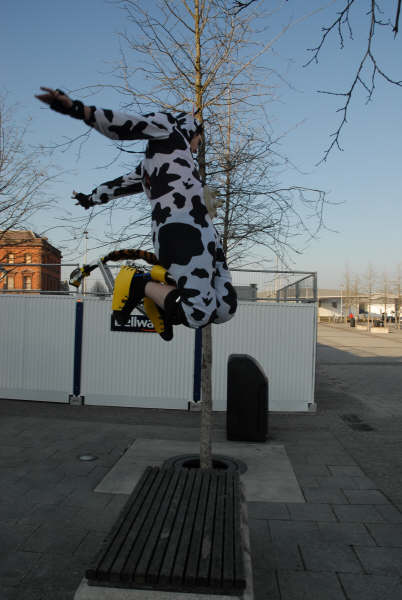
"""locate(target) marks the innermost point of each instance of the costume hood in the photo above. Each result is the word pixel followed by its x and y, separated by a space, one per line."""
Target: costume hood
pixel 188 125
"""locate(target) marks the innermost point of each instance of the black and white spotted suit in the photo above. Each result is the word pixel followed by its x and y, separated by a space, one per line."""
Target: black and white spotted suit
pixel 184 238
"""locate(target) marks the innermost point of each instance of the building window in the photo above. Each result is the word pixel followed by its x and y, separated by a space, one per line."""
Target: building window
pixel 27 282
pixel 28 258
pixel 9 285
pixel 334 304
pixel 11 258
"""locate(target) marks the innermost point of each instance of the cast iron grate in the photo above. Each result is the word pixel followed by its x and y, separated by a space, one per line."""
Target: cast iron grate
pixel 179 531
pixel 192 461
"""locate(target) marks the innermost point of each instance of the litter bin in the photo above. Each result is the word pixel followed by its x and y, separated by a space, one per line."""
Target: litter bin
pixel 247 400
pixel 353 322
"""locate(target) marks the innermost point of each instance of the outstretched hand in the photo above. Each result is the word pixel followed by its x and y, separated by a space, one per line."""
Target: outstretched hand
pixel 55 97
pixel 82 200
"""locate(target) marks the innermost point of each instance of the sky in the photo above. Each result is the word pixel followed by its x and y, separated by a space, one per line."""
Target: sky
pixel 74 45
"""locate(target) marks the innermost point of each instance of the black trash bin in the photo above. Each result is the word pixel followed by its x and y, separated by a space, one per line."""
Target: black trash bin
pixel 247 400
pixel 353 322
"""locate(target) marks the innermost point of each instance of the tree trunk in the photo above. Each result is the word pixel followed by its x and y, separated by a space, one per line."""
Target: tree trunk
pixel 206 399
pixel 206 367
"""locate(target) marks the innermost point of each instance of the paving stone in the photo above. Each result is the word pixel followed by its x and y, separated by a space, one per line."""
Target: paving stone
pixel 267 510
pixel 299 585
pixel 47 496
pixel 355 513
pixel 51 576
pixel 14 534
pixel 336 482
pixel 55 539
pixel 10 593
pixel 294 531
pixel 371 587
pixel 265 584
pixel 304 470
pixel 330 458
pixel 283 554
pixel 16 508
pixel 363 483
pixel 336 558
pixel 389 513
pixel 83 498
pixel 380 561
pixel 323 496
pixel 345 533
pixel 310 512
pixel 349 471
pixel 15 565
pixel 365 497
pixel 307 481
pixel 386 534
pixel 90 546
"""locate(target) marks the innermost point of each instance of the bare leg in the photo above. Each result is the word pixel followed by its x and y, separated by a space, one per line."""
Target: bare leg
pixel 158 292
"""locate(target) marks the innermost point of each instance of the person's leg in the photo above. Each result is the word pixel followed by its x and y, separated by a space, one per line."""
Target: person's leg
pixel 158 292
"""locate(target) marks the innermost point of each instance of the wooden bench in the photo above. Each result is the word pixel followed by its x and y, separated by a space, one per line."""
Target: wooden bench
pixel 179 531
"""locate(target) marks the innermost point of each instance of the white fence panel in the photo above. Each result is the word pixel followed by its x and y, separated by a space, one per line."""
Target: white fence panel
pixel 282 338
pixel 139 369
pixel 134 369
pixel 36 347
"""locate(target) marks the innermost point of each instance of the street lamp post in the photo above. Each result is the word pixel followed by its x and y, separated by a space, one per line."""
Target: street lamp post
pixel 341 290
pixel 84 281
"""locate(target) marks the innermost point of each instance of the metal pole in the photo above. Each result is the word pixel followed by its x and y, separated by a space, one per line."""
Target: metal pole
pixel 84 282
pixel 341 288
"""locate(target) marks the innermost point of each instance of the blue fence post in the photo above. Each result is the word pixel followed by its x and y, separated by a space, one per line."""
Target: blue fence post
pixel 197 365
pixel 75 398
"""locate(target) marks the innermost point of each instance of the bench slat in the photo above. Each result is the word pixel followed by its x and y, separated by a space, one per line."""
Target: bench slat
pixel 179 565
pixel 165 550
pixel 228 559
pixel 110 548
pixel 237 546
pixel 219 546
pixel 133 553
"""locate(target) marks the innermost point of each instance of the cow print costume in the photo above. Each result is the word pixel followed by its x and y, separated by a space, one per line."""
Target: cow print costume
pixel 185 240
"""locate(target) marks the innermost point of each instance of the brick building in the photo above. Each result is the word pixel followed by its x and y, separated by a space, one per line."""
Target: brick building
pixel 29 248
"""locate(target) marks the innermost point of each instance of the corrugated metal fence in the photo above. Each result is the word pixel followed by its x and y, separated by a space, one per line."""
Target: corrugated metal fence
pixel 39 344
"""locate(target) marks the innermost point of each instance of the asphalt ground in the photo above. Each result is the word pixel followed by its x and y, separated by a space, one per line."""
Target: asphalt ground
pixel 343 543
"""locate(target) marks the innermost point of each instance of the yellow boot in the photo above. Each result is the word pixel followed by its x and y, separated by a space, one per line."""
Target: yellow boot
pixel 129 289
pixel 156 315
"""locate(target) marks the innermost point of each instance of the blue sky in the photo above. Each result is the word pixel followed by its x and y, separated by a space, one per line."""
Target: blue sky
pixel 72 45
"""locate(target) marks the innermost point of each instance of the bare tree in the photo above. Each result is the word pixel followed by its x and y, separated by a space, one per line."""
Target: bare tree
pixel 368 67
pixel 23 176
pixel 369 283
pixel 397 288
pixel 198 53
pixel 347 286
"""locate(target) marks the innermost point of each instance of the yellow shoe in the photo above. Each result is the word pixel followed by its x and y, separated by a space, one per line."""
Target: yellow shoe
pixel 156 315
pixel 159 273
pixel 129 290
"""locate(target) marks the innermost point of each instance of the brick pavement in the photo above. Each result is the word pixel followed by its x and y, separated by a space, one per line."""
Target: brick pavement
pixel 344 543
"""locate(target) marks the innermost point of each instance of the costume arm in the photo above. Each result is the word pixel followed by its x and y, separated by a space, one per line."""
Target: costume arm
pixel 122 126
pixel 113 124
pixel 122 186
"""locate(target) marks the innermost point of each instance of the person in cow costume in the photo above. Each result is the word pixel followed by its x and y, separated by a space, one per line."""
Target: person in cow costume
pixel 185 240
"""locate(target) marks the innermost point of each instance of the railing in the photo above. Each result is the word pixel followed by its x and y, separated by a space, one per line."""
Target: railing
pixel 251 284
pixel 275 286
pixel 301 290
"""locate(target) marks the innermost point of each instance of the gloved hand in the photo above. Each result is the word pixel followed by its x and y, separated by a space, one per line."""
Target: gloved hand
pixel 211 200
pixel 82 200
